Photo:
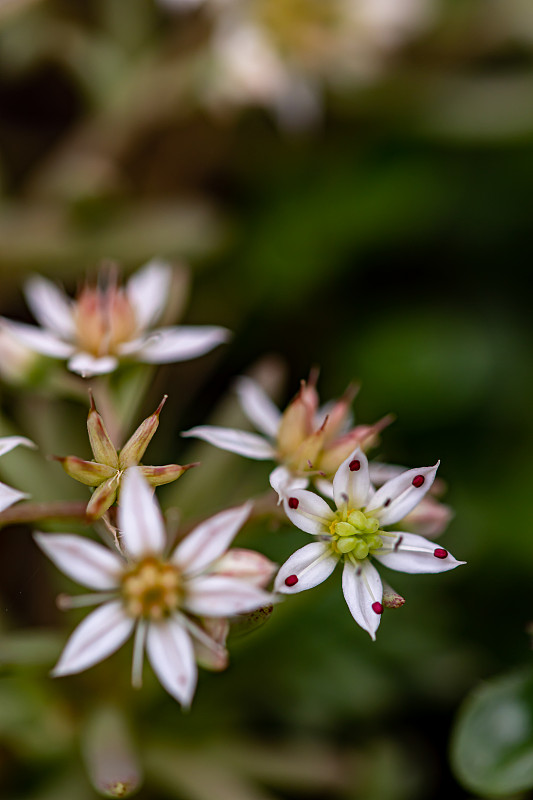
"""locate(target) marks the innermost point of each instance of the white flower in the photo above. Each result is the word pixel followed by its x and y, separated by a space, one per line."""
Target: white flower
pixel 305 439
pixel 107 324
pixel 8 496
pixel 164 599
pixel 353 533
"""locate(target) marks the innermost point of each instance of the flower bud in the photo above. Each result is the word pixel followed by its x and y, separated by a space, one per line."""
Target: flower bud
pixel 247 565
pixel 135 447
pixel 103 448
pixel 108 753
pixel 296 423
pixel 88 472
pixel 391 598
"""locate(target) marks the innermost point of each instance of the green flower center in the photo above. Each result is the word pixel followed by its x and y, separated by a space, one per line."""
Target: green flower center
pixel 354 532
pixel 152 589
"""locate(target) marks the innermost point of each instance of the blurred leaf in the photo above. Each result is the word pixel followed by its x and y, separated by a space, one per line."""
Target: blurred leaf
pixel 30 648
pixel 492 745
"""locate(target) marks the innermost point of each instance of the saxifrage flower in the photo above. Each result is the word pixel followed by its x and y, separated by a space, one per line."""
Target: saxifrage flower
pixel 305 439
pixel 172 602
pixel 354 534
pixel 105 473
pixel 107 324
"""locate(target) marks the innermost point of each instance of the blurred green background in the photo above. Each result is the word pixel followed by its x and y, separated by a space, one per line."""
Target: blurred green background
pixel 389 242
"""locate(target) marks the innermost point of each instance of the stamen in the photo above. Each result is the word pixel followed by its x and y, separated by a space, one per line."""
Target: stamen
pixel 397 544
pixel 440 552
pixel 377 608
pixel 418 481
pixel 387 502
pixel 292 580
pixel 354 465
pixel 293 502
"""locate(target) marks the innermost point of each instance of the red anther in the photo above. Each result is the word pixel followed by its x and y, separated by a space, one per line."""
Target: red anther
pixel 354 465
pixel 292 580
pixel 377 608
pixel 293 502
pixel 418 480
pixel 440 552
pixel 387 502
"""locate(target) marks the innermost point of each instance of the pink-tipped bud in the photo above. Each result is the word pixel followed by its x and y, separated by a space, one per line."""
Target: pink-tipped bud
pixel 391 598
pixel 339 412
pixel 364 436
pixel 109 756
pixel 429 518
pixel 135 447
pixel 296 422
pixel 210 653
pixel 245 565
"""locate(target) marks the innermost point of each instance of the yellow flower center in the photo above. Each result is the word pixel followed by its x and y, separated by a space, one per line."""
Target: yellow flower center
pixel 152 589
pixel 354 532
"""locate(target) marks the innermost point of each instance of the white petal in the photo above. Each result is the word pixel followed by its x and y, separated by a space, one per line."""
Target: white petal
pixel 258 406
pixel 325 487
pixel 171 655
pixel 83 560
pixel 209 540
pixel 139 517
pixel 362 588
pixel 311 564
pixel 86 365
pixel 8 443
pixel 282 481
pixel 218 596
pixel 39 340
pixel 380 472
pixel 414 554
pixel 167 345
pixel 8 496
pixel 399 496
pixel 99 635
pixel 50 306
pixel 351 483
pixel 148 290
pixel 245 444
pixel 308 511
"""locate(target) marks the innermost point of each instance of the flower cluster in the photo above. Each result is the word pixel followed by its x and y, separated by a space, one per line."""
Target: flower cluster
pixel 178 603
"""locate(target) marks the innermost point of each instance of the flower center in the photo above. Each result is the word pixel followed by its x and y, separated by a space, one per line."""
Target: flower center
pixel 104 319
pixel 152 589
pixel 354 532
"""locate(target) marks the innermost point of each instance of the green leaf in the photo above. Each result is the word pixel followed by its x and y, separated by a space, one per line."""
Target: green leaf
pixel 492 745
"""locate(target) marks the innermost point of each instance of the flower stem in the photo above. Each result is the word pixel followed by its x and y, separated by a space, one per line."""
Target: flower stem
pixel 36 512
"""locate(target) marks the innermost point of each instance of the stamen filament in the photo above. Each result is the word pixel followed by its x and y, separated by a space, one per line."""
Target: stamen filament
pixel 65 602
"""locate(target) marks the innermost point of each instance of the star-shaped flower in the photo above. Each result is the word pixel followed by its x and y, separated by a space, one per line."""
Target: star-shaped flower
pixel 107 324
pixel 105 473
pixel 304 439
pixel 8 496
pixel 172 602
pixel 354 534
